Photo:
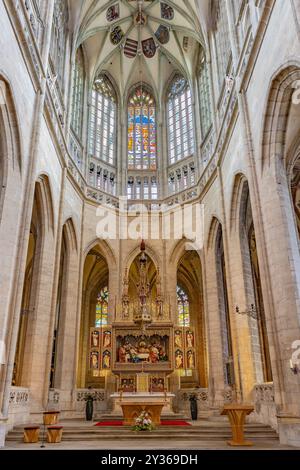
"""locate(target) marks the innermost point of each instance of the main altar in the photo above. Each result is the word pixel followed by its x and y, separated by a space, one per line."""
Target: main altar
pixel 142 349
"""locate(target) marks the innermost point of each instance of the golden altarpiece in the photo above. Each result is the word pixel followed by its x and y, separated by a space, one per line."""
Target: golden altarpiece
pixel 140 353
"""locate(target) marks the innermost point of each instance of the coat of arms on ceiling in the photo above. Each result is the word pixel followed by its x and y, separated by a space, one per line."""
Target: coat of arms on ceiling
pixel 185 43
pixel 167 12
pixel 149 48
pixel 140 18
pixel 113 12
pixel 116 35
pixel 130 48
pixel 163 34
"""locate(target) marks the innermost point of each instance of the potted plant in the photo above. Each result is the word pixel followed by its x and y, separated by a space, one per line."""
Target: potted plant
pixel 193 406
pixel 143 422
pixel 89 407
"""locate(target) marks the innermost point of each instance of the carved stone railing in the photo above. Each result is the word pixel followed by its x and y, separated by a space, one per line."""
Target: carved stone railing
pixel 76 150
pixel 265 410
pixel 77 176
pixel 98 395
pixel 100 400
pixel 264 393
pixel 207 147
pixel 201 394
pixel 54 90
pixel 101 197
pixel 54 396
pixel 19 396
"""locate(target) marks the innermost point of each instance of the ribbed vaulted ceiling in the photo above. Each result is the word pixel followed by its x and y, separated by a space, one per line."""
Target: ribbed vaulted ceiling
pixel 138 40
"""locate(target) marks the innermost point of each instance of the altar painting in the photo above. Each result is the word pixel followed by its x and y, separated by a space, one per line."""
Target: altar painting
pixel 157 384
pixel 136 349
pixel 127 384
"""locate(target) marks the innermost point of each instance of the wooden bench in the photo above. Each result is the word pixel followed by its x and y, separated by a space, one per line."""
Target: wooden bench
pixel 54 434
pixel 31 434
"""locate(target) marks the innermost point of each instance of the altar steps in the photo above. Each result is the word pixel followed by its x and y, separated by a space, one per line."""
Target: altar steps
pixel 119 416
pixel 206 431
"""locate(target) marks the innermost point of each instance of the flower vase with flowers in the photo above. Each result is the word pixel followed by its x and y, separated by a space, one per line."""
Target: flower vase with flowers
pixel 143 422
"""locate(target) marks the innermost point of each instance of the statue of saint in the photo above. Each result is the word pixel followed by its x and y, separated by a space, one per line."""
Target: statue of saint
pixel 190 360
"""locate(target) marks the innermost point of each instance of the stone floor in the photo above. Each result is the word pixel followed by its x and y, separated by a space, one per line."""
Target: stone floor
pixel 203 434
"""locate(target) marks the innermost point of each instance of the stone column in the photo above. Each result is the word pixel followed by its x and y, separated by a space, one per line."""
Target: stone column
pixel 36 362
pixel 65 366
pixel 283 276
pixel 216 382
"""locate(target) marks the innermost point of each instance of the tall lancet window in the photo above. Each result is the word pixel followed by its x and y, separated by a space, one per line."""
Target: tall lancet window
pixel 223 48
pixel 141 129
pixel 101 318
pixel 77 93
pixel 58 40
pixel 204 98
pixel 180 120
pixel 183 307
pixel 102 138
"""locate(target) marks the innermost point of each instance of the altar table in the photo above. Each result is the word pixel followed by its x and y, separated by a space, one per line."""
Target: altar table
pixel 131 410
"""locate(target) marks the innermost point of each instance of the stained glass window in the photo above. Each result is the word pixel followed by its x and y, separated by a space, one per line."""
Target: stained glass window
pixel 183 307
pixel 102 138
pixel 102 308
pixel 141 130
pixel 77 97
pixel 180 120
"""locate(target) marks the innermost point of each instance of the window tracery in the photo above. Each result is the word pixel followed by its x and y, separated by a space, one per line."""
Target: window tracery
pixel 183 307
pixel 180 120
pixel 77 93
pixel 102 136
pixel 142 146
pixel 101 317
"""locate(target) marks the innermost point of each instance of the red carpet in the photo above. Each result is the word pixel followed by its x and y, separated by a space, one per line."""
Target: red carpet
pixel 164 422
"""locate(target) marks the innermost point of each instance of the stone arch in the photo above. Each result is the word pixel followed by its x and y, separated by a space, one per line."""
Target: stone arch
pixel 41 234
pixel 45 201
pixel 189 278
pixel 283 86
pixel 212 232
pixel 225 323
pixel 252 284
pixel 96 276
pixel 149 252
pixel 10 139
pixel 236 198
pixel 179 249
pixel 62 357
pixel 70 234
pixel 105 248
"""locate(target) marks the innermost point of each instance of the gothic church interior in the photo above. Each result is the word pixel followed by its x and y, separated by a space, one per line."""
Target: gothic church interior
pixel 150 217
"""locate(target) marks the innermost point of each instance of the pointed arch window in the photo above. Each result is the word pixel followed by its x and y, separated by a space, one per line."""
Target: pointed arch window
pixel 142 141
pixel 183 307
pixel 223 49
pixel 77 93
pixel 59 39
pixel 180 120
pixel 101 318
pixel 204 98
pixel 102 137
